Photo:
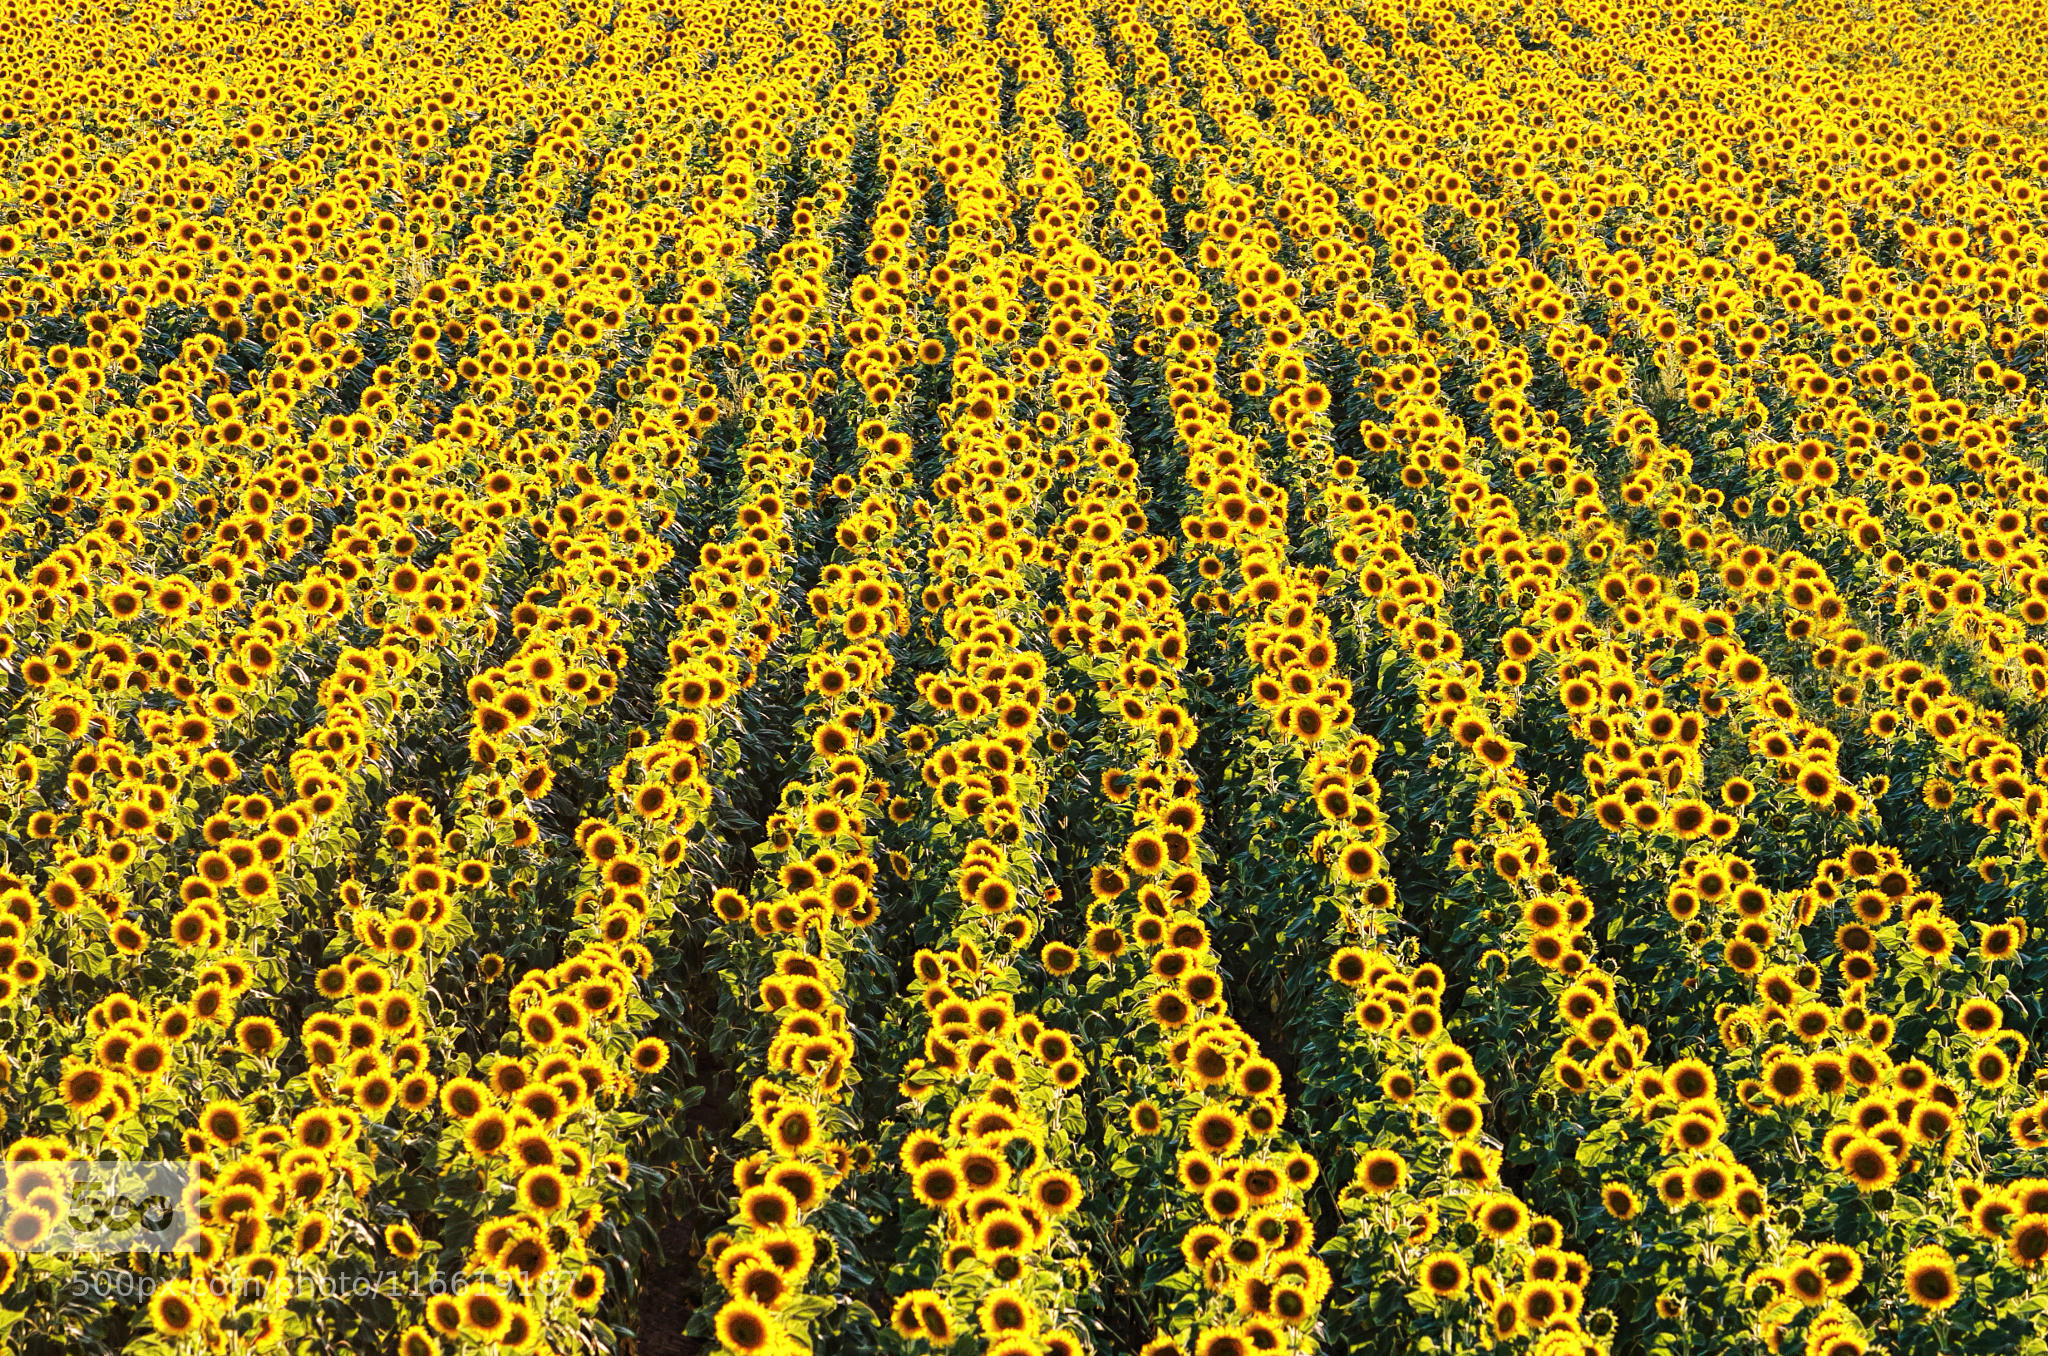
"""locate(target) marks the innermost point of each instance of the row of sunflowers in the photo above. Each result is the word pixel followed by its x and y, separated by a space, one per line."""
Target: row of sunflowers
pixel 1026 678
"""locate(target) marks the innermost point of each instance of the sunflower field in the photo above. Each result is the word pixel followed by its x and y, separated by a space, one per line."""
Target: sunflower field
pixel 1027 677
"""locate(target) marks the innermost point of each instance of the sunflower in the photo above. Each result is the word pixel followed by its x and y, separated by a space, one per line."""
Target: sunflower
pixel 938 1183
pixel 1869 1163
pixel 1930 1277
pixel 1932 937
pixel 1620 1200
pixel 1443 1274
pixel 1057 1192
pixel 1540 1303
pixel 1358 863
pixel 546 1102
pixel 1255 1077
pixel 1708 1182
pixel 1224 1342
pixel 649 1056
pixel 486 1133
pixel 1001 1233
pixel 1348 966
pixel 1500 1217
pixel 1788 1078
pixel 1458 1118
pixel 1204 1241
pixel 485 1313
pixel 794 1128
pixel 2027 1244
pixel 176 1310
pixel 1224 1200
pixel 1990 1067
pixel 745 1326
pixel 1145 852
pixel 1689 818
pixel 30 1222
pixel 907 1317
pixel 463 1099
pixel 587 1288
pixel 223 1122
pixel 1216 1130
pixel 401 1241
pixel 543 1190
pixel 1006 1313
pixel 2001 941
pixel 85 1090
